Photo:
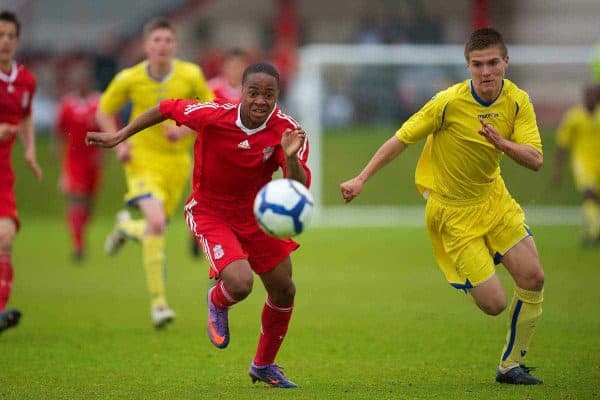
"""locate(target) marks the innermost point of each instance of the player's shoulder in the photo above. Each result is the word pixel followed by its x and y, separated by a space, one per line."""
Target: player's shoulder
pixel 453 92
pixel 25 74
pixel 280 117
pixel 514 92
pixel 130 73
pixel 186 68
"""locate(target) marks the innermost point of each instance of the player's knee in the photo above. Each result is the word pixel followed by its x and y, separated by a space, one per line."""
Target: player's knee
pixel 284 294
pixel 240 286
pixel 156 225
pixel 6 240
pixel 536 279
pixel 494 308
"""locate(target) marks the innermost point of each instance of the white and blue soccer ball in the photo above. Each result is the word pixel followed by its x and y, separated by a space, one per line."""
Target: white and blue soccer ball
pixel 283 208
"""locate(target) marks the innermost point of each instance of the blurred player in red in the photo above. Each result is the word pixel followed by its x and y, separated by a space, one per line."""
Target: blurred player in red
pixel 237 150
pixel 17 87
pixel 227 87
pixel 81 163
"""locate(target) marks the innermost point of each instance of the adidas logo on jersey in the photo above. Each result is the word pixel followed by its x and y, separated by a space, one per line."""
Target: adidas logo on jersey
pixel 244 145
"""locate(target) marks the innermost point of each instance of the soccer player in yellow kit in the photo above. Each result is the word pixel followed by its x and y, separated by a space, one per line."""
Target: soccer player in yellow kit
pixel 472 220
pixel 157 161
pixel 579 136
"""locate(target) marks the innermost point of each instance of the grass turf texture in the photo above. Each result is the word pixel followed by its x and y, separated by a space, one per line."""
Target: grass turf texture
pixel 374 319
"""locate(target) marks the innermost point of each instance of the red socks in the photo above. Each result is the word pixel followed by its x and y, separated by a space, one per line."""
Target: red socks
pixel 275 321
pixel 78 217
pixel 6 279
pixel 220 297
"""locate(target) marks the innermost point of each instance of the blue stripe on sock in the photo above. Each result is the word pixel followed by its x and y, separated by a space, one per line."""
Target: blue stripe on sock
pixel 513 328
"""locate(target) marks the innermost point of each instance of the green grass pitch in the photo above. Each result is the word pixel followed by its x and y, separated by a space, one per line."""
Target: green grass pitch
pixel 374 319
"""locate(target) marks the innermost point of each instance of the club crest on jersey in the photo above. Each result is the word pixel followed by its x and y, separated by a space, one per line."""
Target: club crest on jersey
pixel 268 152
pixel 218 251
pixel 244 145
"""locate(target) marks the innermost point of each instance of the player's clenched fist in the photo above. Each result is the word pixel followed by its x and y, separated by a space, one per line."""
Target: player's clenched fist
pixel 351 188
pixel 103 139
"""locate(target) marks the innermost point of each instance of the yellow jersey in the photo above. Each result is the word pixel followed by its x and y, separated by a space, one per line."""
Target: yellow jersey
pixel 135 85
pixel 457 163
pixel 579 131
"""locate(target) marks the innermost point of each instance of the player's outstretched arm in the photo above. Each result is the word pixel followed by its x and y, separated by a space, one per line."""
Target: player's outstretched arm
pixel 145 120
pixel 386 153
pixel 523 154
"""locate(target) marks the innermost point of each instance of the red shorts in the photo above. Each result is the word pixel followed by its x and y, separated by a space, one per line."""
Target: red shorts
pixel 228 236
pixel 8 204
pixel 80 178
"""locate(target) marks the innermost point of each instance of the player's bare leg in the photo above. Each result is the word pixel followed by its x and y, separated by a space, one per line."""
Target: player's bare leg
pixel 276 315
pixel 8 231
pixel 522 262
pixel 234 285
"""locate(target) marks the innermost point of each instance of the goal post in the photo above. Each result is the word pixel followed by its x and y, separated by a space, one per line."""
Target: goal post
pixel 306 97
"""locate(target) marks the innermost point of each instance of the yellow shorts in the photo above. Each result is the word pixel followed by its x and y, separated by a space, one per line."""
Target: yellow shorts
pixel 586 174
pixel 468 239
pixel 163 177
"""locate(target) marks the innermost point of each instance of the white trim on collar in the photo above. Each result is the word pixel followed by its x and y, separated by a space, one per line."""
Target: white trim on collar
pixel 248 131
pixel 13 74
pixel 164 78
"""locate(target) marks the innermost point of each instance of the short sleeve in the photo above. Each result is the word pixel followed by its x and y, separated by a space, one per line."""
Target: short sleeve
pixel 424 122
pixel 526 130
pixel 116 95
pixel 187 112
pixel 201 88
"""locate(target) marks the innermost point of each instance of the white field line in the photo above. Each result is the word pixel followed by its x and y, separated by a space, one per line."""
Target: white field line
pixel 407 216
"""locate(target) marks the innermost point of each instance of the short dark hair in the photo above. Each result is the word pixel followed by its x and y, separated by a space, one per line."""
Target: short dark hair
pixel 235 52
pixel 260 67
pixel 157 23
pixel 482 39
pixel 8 16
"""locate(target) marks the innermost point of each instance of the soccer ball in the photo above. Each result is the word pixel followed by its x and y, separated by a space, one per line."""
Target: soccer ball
pixel 283 208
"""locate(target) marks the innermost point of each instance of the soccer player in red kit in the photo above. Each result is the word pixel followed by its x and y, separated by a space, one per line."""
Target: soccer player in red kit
pixel 237 150
pixel 227 86
pixel 81 163
pixel 17 87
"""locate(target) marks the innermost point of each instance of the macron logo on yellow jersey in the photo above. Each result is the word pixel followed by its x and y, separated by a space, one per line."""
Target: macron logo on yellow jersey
pixel 488 116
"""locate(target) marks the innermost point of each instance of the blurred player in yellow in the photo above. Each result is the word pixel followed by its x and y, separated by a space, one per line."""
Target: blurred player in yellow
pixel 579 136
pixel 157 161
pixel 472 220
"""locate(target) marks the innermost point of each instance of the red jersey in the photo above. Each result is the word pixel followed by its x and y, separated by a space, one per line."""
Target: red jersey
pixel 76 117
pixel 232 162
pixel 17 88
pixel 224 91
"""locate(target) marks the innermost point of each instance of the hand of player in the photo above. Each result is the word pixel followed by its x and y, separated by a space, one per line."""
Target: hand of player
pixel 7 131
pixel 491 134
pixel 123 151
pixel 173 133
pixel 31 161
pixel 351 188
pixel 292 141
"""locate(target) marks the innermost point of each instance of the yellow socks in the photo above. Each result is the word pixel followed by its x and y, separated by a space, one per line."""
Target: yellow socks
pixel 153 254
pixel 591 216
pixel 524 313
pixel 133 228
